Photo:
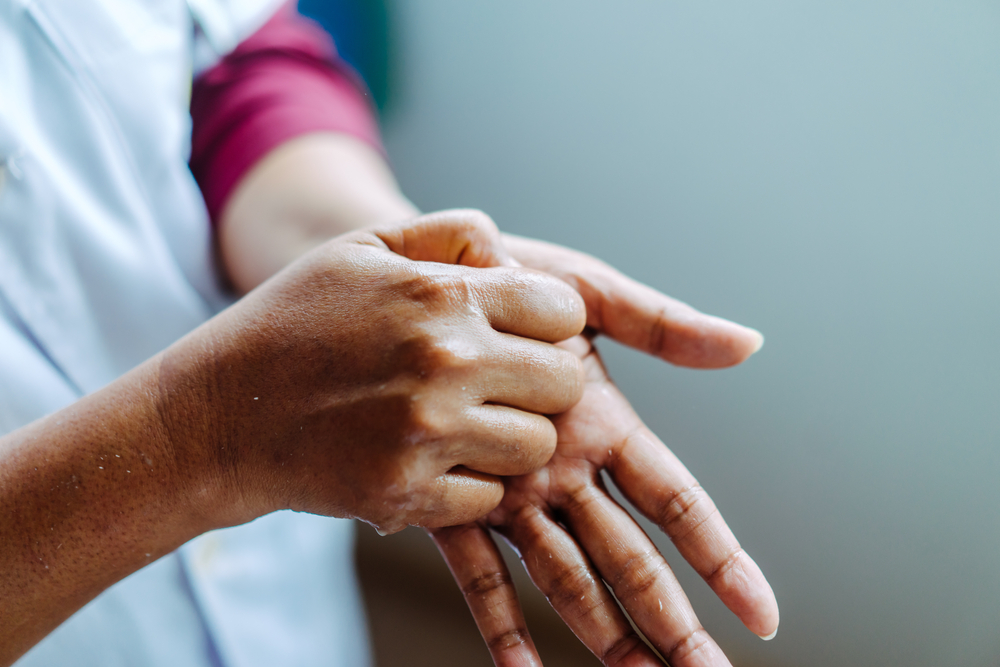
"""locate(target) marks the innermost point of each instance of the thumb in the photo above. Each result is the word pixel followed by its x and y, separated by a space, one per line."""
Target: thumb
pixel 461 236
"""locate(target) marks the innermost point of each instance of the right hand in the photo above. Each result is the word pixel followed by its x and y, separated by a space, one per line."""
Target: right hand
pixel 379 379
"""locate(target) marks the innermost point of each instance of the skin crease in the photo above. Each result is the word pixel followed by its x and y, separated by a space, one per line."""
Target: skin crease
pixel 191 450
pixel 383 347
pixel 633 314
pixel 355 383
pixel 561 520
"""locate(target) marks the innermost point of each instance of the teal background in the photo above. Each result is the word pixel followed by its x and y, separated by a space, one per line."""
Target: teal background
pixel 825 172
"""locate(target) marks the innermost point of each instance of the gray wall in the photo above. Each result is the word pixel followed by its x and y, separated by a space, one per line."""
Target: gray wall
pixel 824 171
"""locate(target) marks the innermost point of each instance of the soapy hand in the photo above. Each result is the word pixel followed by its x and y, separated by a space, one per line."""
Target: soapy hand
pixel 380 377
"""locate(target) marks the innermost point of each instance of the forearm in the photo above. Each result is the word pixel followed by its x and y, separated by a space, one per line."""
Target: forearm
pixel 89 495
pixel 300 194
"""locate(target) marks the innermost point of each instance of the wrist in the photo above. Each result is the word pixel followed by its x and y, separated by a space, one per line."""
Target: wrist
pixel 201 440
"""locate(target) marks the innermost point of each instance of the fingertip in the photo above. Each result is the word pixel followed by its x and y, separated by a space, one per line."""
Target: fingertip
pixel 711 342
pixel 567 305
pixel 743 587
pixel 579 309
pixel 764 622
pixel 531 304
pixel 463 496
pixel 764 618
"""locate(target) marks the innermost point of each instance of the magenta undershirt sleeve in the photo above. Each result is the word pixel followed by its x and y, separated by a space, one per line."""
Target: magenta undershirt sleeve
pixel 283 81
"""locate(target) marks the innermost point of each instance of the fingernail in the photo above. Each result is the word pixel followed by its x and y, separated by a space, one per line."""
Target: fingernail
pixel 770 636
pixel 760 341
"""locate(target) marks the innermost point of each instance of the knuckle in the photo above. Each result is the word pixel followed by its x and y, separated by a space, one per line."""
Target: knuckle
pixel 569 585
pixel 507 640
pixel 427 423
pixel 720 571
pixel 477 220
pixel 429 354
pixel 579 494
pixel 440 289
pixel 659 332
pixel 638 574
pixel 487 583
pixel 399 479
pixel 685 511
pixel 620 649
pixel 447 353
pixel 691 643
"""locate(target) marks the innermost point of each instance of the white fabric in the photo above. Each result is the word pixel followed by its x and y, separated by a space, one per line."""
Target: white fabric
pixel 105 259
pixel 224 23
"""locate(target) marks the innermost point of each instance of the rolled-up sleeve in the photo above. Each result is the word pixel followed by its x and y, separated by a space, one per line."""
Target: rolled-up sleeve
pixel 283 81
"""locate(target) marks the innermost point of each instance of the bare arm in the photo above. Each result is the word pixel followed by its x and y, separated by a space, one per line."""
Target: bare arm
pixel 602 432
pixel 96 491
pixel 87 496
pixel 291 400
pixel 301 194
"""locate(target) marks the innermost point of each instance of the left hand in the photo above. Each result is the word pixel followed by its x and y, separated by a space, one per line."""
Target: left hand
pixel 572 536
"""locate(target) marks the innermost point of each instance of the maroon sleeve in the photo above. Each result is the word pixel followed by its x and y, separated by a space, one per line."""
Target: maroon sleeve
pixel 283 81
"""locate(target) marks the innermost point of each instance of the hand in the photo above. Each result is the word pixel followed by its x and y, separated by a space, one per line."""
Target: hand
pixel 373 379
pixel 571 534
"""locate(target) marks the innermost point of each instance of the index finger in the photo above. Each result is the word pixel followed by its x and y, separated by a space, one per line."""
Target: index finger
pixel 637 315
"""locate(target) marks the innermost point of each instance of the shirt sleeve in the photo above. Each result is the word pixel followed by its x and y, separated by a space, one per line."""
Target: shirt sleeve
pixel 283 81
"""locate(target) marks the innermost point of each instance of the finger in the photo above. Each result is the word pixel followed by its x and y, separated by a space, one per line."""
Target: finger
pixel 530 304
pixel 562 573
pixel 484 580
pixel 460 496
pixel 640 316
pixel 497 440
pixel 660 487
pixel 639 576
pixel 527 374
pixel 605 430
pixel 461 236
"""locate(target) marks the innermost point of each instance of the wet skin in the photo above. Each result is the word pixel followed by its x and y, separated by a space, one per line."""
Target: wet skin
pixel 573 537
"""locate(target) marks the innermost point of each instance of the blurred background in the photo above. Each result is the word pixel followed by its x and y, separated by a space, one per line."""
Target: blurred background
pixel 825 172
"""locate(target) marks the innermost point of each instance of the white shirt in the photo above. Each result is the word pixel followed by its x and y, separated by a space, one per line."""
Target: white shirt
pixel 105 259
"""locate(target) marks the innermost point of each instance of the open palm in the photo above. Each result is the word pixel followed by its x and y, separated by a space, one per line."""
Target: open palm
pixel 573 537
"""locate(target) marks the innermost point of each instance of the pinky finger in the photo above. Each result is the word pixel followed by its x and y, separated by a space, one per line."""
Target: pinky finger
pixel 482 575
